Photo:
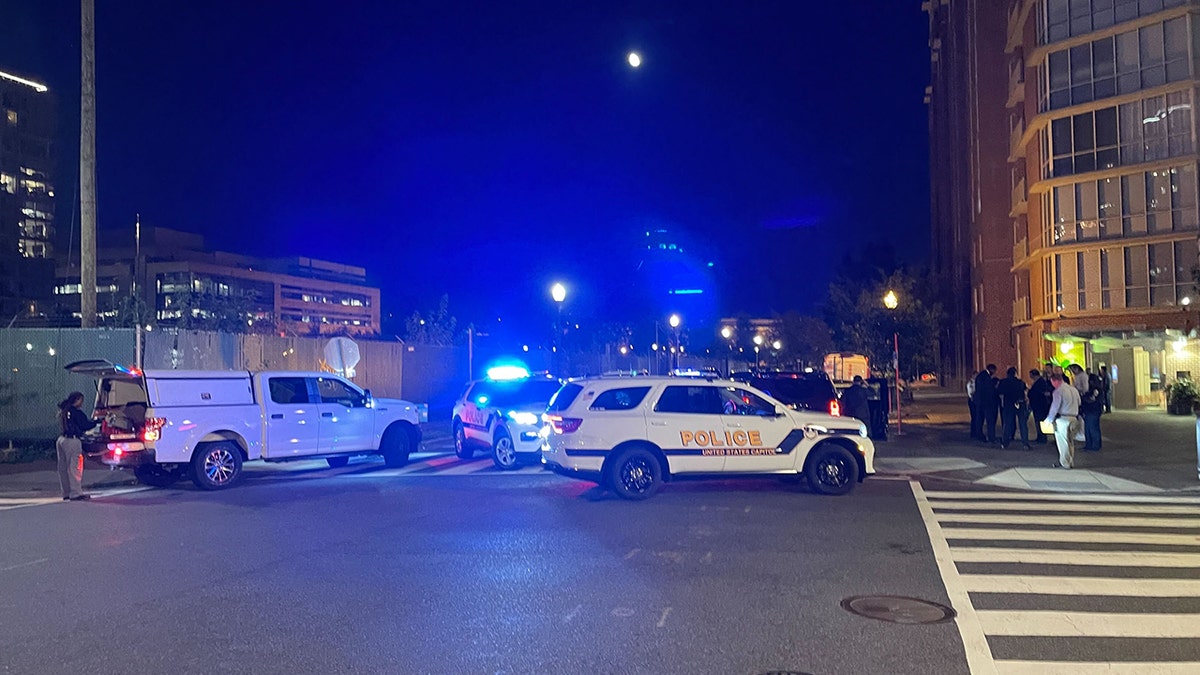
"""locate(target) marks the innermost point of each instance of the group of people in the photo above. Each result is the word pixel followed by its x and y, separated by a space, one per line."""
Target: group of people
pixel 1070 410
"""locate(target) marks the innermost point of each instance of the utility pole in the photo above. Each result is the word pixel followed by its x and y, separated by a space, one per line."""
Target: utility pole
pixel 87 169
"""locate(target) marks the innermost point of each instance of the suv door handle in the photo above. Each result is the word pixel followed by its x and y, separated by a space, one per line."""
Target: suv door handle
pixel 658 424
pixel 277 416
pixel 326 414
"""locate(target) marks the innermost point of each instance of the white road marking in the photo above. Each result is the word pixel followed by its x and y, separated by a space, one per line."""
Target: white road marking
pixel 632 553
pixel 979 655
pixel 1096 668
pixel 662 621
pixel 24 564
pixel 933 496
pixel 1104 537
pixel 939 506
pixel 623 612
pixel 707 558
pixel 1047 585
pixel 1089 624
pixel 1045 556
pixel 572 614
pixel 1020 519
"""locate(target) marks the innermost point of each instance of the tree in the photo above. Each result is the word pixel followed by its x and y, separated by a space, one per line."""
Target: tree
pixel 862 324
pixel 437 327
pixel 201 310
pixel 806 339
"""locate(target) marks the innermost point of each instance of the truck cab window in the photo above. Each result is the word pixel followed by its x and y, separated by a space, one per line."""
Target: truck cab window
pixel 334 391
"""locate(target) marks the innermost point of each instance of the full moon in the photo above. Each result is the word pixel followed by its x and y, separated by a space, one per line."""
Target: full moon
pixel 634 59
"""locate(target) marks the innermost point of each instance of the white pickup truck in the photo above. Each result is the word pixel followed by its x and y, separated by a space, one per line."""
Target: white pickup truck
pixel 166 424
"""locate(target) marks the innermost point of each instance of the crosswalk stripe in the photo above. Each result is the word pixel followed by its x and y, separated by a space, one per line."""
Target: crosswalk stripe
pixel 1096 668
pixel 934 496
pixel 1071 536
pixel 1089 624
pixel 1054 585
pixel 1043 556
pixel 1053 519
pixel 940 506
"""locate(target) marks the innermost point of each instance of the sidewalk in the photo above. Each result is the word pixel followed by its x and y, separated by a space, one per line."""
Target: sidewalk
pixel 1143 451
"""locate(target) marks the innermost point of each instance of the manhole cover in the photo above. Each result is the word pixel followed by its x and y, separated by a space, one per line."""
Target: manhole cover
pixel 898 609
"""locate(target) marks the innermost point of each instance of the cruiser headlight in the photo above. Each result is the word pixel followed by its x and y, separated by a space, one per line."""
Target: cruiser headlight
pixel 525 418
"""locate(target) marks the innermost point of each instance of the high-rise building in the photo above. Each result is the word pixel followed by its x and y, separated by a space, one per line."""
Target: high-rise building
pixel 26 196
pixel 1102 134
pixel 970 199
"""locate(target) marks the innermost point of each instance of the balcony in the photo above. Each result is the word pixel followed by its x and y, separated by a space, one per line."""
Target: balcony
pixel 1018 12
pixel 1020 250
pixel 1019 204
pixel 1016 149
pixel 1016 82
pixel 1020 311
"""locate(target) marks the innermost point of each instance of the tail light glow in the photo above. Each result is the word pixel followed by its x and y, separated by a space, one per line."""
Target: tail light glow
pixel 153 429
pixel 564 425
pixel 835 409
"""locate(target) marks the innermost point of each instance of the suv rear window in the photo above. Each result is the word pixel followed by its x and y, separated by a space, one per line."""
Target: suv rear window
pixel 564 397
pixel 695 400
pixel 620 399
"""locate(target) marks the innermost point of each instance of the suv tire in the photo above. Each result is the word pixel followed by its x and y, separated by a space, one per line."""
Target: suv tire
pixel 504 453
pixel 635 474
pixel 831 470
pixel 461 449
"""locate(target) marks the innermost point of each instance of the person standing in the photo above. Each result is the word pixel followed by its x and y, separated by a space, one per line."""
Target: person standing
pixel 1014 413
pixel 1106 388
pixel 1079 378
pixel 855 401
pixel 1091 407
pixel 976 420
pixel 1064 416
pixel 1040 392
pixel 74 423
pixel 986 401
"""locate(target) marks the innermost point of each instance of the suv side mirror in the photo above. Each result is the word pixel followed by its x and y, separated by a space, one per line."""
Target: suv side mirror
pixel 779 411
pixel 368 399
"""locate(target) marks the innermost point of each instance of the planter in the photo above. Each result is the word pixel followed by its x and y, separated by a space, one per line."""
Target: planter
pixel 1184 408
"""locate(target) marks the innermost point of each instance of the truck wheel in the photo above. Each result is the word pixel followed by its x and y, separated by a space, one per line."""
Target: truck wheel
pixel 216 466
pixel 395 447
pixel 156 475
pixel 504 455
pixel 461 449
pixel 337 462
pixel 831 470
pixel 636 474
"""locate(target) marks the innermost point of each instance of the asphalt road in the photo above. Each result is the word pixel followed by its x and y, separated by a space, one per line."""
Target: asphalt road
pixel 362 571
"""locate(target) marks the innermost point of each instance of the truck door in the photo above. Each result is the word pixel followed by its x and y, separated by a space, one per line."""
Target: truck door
pixel 291 418
pixel 347 424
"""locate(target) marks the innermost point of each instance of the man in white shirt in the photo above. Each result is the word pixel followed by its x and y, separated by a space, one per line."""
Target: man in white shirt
pixel 1064 415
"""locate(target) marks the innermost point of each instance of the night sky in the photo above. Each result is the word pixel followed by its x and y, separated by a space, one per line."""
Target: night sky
pixel 484 149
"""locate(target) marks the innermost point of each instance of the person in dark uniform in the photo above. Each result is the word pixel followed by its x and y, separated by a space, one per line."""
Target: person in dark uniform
pixel 1106 388
pixel 986 401
pixel 855 401
pixel 1014 412
pixel 74 423
pixel 1040 393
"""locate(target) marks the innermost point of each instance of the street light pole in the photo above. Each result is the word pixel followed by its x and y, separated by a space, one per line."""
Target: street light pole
pixel 558 293
pixel 674 321
pixel 892 302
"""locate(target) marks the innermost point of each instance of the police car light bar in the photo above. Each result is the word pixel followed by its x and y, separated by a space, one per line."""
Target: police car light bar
pixel 507 373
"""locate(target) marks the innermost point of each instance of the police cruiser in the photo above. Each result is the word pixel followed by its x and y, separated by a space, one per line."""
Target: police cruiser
pixel 632 434
pixel 502 414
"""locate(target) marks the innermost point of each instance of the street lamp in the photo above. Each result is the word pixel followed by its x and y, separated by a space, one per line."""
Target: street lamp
pixel 892 302
pixel 674 322
pixel 758 341
pixel 558 293
pixel 727 333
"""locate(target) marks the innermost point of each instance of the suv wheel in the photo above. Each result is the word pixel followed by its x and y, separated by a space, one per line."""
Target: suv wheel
pixel 831 470
pixel 635 474
pixel 461 449
pixel 504 454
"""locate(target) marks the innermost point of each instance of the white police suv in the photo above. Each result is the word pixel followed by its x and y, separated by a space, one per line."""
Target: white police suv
pixel 632 434
pixel 503 414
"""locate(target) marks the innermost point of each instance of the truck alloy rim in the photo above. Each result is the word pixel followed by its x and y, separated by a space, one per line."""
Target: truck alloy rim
pixel 833 471
pixel 218 465
pixel 504 451
pixel 636 475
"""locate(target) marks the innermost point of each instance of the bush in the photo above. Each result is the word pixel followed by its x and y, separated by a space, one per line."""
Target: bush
pixel 1182 396
pixel 27 451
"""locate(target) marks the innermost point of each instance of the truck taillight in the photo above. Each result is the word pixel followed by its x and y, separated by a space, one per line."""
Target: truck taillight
pixel 564 425
pixel 835 409
pixel 153 429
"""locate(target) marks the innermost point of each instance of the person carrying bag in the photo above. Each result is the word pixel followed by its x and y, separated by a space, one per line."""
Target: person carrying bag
pixel 74 423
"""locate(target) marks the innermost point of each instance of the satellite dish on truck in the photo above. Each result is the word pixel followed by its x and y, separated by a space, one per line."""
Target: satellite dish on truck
pixel 341 354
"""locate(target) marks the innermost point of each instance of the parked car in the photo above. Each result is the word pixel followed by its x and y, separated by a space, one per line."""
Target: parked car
pixel 165 424
pixel 632 434
pixel 805 390
pixel 502 414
